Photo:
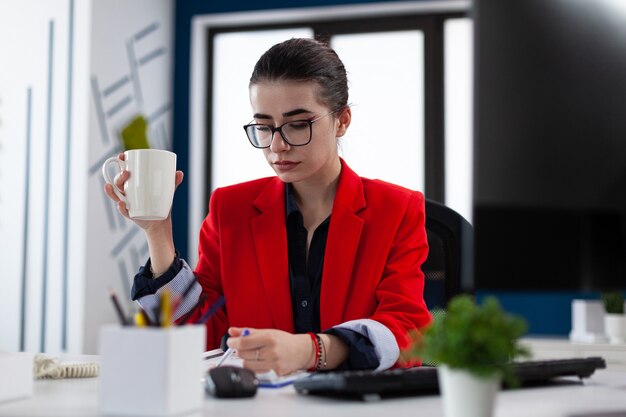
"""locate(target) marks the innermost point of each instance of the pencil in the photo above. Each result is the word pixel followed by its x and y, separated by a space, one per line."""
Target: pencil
pixel 166 308
pixel 140 320
pixel 118 307
pixel 146 318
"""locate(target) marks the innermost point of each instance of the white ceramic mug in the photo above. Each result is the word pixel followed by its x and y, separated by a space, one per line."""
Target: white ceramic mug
pixel 150 188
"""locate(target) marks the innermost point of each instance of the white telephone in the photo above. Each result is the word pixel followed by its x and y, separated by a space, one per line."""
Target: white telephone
pixel 46 367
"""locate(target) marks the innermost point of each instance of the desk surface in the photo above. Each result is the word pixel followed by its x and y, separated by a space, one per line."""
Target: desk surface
pixel 605 391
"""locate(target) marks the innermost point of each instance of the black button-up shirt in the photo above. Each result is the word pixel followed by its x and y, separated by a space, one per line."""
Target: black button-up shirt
pixel 305 277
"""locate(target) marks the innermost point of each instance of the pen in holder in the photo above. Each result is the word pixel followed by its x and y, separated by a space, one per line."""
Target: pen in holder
pixel 151 371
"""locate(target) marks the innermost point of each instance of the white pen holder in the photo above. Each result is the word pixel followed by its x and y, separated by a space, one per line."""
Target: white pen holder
pixel 151 371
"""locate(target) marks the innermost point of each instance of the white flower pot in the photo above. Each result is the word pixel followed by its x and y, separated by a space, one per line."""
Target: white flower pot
pixel 466 395
pixel 615 328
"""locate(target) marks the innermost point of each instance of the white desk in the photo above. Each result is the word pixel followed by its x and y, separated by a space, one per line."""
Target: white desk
pixel 605 391
pixel 558 348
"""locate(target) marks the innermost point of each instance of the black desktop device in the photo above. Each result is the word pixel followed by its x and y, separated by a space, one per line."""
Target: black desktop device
pixel 370 385
pixel 549 145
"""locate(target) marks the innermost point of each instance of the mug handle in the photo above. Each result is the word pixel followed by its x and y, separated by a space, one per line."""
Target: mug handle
pixel 105 174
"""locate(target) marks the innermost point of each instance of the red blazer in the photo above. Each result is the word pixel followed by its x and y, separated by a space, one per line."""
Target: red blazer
pixel 372 264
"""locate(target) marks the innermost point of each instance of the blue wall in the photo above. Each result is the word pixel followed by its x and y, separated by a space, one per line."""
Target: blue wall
pixel 547 313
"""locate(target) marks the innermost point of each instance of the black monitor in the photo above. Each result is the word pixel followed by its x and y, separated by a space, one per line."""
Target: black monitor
pixel 550 145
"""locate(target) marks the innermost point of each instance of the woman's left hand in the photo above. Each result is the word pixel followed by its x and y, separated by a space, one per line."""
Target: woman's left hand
pixel 269 349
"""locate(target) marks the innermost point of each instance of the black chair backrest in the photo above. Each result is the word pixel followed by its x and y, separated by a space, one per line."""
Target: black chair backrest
pixel 448 270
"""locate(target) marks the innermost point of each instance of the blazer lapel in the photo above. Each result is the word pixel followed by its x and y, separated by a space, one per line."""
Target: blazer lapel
pixel 270 238
pixel 341 247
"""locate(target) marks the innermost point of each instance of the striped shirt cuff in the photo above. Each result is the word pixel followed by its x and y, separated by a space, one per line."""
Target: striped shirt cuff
pixel 176 286
pixel 385 344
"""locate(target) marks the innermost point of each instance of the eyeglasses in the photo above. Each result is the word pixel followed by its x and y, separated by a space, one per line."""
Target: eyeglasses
pixel 295 132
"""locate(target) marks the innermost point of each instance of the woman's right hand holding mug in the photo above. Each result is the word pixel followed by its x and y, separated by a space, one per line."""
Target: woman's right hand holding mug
pixel 144 188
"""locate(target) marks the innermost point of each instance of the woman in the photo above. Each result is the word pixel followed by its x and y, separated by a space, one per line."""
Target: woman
pixel 321 266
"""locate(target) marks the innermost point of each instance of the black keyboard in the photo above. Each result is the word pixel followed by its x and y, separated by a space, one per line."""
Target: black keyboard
pixel 369 385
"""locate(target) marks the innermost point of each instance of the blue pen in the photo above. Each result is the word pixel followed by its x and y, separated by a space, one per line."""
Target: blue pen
pixel 229 352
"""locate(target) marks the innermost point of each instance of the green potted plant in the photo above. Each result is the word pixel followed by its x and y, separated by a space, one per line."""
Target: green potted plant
pixel 614 319
pixel 472 346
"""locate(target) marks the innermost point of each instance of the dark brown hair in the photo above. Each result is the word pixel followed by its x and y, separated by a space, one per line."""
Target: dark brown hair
pixel 302 59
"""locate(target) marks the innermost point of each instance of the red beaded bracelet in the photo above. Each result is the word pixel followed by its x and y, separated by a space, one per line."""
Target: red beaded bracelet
pixel 321 363
pixel 318 352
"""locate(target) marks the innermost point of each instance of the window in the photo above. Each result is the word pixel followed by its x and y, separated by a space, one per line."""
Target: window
pixel 458 115
pixel 411 125
pixel 386 76
pixel 235 53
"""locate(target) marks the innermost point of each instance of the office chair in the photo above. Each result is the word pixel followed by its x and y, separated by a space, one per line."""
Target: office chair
pixel 448 270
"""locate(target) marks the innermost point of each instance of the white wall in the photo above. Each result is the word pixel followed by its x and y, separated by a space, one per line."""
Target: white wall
pixel 35 136
pixel 59 240
pixel 132 50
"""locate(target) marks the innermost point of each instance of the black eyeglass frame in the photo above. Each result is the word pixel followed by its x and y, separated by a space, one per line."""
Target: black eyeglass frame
pixel 279 129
